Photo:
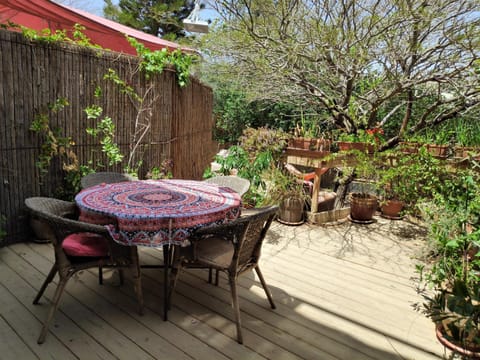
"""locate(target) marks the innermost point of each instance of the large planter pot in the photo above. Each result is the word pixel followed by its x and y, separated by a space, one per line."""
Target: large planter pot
pixel 469 352
pixel 362 207
pixel 391 209
pixel 42 231
pixel 291 211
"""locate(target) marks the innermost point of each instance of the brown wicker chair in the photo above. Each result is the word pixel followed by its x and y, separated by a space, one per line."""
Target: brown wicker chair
pixel 236 183
pixel 78 246
pixel 233 248
pixel 104 177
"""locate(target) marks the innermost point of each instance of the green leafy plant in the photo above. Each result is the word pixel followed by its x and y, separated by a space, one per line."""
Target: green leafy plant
pixel 154 62
pixel 56 145
pixel 450 282
pixel 372 136
pixel 162 172
pixel 280 184
pixel 105 130
pixel 257 151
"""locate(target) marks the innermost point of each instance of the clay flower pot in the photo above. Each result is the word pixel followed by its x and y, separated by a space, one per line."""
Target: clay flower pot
pixel 391 209
pixel 469 353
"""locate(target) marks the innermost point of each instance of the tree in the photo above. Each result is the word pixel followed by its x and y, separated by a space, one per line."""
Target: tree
pixel 157 17
pixel 364 62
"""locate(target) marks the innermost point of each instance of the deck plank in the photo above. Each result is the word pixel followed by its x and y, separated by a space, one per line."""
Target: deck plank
pixel 342 292
pixel 65 342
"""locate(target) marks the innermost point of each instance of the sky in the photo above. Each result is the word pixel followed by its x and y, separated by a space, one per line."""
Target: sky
pixel 96 7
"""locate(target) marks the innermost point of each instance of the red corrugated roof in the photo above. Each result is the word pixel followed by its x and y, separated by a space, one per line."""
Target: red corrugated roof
pixel 42 14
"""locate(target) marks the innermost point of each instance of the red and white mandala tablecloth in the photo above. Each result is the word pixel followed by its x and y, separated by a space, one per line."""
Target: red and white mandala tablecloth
pixel 156 213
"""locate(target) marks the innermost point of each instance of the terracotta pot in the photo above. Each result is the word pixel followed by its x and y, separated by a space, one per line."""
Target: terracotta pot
pixel 360 146
pixel 362 206
pixel 470 353
pixel 391 209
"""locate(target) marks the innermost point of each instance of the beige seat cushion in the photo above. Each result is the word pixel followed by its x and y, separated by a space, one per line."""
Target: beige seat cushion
pixel 215 250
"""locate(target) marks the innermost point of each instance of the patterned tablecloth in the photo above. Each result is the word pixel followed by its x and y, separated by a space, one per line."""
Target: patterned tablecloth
pixel 156 213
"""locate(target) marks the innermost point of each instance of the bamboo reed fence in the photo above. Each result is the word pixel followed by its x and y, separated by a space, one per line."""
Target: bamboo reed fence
pixel 35 74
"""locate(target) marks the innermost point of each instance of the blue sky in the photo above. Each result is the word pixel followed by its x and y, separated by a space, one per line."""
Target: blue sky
pixel 96 7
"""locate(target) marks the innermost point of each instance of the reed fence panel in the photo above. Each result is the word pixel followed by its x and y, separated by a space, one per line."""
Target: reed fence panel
pixel 35 74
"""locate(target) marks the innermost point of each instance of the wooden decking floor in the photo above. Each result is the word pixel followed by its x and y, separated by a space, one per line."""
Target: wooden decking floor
pixel 342 292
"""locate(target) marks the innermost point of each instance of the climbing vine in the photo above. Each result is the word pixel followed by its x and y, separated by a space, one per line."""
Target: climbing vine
pixel 104 130
pixel 154 62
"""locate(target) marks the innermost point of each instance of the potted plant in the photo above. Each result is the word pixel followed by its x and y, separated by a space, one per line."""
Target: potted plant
pixel 287 191
pixel 450 283
pixel 396 184
pixel 363 199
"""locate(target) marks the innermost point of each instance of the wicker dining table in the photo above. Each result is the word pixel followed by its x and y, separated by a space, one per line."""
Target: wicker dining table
pixel 157 213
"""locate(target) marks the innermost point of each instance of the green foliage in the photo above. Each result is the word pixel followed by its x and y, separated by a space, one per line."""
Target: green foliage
pixel 112 75
pixel 411 178
pixel 54 144
pixel 259 149
pixel 372 136
pixel 256 141
pixel 232 114
pixel 280 184
pixel 164 171
pixel 394 72
pixel 153 62
pixel 105 130
pixel 47 36
pixel 454 271
pixel 234 111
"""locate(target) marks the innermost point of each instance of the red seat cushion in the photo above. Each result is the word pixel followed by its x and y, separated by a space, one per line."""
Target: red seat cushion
pixel 85 244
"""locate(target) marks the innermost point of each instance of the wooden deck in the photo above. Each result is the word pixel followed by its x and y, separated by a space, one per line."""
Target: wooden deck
pixel 342 292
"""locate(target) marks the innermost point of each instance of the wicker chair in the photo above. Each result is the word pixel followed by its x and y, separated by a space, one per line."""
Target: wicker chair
pixel 236 183
pixel 78 246
pixel 104 177
pixel 233 248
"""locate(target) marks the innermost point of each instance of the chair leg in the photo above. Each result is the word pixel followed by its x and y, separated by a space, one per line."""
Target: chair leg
pixel 121 276
pixel 137 278
pixel 236 307
pixel 48 280
pixel 210 275
pixel 100 274
pixel 174 273
pixel 216 277
pixel 265 287
pixel 53 308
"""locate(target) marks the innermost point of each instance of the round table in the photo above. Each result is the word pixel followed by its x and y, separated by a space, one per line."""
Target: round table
pixel 156 213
